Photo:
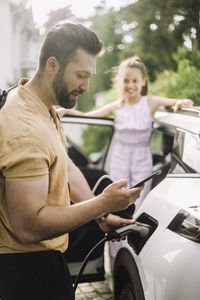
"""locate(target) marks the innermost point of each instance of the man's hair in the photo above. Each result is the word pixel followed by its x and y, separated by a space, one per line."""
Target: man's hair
pixel 63 40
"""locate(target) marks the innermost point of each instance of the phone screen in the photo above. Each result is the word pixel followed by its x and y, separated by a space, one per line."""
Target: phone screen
pixel 147 178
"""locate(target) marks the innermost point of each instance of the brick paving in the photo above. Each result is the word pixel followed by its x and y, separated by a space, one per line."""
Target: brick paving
pixel 100 290
pixel 94 290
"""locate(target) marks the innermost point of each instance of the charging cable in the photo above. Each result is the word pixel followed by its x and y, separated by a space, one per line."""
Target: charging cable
pixel 141 228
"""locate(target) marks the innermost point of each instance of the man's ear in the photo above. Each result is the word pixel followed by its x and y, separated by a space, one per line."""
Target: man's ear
pixel 52 66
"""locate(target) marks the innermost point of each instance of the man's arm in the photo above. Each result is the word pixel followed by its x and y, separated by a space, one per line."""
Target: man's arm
pixel 34 220
pixel 79 187
pixel 80 190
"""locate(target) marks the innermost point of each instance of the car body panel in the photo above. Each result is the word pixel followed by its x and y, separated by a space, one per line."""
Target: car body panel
pixel 165 265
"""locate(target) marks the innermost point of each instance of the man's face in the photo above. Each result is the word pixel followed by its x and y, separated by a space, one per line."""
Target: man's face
pixel 74 79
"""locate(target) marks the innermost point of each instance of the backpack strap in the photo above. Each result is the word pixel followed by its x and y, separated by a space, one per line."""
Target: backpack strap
pixel 4 94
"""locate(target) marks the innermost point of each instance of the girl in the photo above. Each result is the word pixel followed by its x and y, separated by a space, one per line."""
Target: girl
pixel 131 157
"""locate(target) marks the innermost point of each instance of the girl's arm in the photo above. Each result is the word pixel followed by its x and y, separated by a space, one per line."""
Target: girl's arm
pixel 156 101
pixel 102 112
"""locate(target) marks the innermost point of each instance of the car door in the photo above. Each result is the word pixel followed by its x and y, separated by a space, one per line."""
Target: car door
pixel 88 143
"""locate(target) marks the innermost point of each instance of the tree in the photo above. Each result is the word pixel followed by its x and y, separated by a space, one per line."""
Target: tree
pixel 189 26
pixel 106 27
pixel 184 83
pixel 161 27
pixel 151 29
pixel 60 15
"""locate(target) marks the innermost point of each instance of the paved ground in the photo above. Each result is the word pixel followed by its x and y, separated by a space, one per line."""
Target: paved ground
pixel 97 290
pixel 94 290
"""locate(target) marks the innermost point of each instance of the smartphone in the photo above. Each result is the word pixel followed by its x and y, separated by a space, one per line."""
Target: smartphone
pixel 156 173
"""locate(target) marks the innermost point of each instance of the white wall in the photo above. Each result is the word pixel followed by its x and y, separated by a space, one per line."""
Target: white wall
pixel 18 51
pixel 5 44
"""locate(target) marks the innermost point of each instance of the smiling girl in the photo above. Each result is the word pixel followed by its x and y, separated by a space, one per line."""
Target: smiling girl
pixel 131 157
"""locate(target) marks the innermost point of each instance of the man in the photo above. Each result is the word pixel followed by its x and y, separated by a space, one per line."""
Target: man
pixel 35 172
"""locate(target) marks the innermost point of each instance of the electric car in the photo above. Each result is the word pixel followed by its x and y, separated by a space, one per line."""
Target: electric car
pixel 162 264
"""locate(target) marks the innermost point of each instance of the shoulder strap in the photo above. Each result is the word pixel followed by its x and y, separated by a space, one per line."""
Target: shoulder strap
pixel 3 95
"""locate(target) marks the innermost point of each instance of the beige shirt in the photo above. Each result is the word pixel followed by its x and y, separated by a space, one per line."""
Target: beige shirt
pixel 32 146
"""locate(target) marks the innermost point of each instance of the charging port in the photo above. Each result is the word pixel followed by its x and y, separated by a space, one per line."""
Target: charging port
pixel 135 239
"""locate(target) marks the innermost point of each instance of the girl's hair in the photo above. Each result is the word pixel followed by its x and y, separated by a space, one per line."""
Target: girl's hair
pixel 132 62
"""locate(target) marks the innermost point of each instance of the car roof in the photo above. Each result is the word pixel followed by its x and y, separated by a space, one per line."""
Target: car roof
pixel 187 119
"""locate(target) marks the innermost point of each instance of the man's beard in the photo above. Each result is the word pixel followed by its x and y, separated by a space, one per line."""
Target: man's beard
pixel 62 93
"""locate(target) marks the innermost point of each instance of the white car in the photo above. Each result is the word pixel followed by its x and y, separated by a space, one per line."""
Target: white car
pixel 163 264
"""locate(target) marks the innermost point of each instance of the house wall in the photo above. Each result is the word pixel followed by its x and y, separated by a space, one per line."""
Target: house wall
pixel 19 42
pixel 5 44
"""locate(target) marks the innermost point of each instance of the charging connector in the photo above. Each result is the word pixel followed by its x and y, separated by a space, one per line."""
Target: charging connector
pixel 141 229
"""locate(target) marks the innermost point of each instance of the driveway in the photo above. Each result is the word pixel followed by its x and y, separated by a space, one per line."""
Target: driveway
pixel 97 290
pixel 94 290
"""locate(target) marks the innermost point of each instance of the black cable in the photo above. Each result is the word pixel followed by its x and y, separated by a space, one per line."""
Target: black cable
pixel 85 262
pixel 108 236
pixel 137 227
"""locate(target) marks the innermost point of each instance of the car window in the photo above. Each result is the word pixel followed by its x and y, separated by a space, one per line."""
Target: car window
pixel 191 151
pixel 90 140
pixel 177 168
pixel 186 153
pixel 156 141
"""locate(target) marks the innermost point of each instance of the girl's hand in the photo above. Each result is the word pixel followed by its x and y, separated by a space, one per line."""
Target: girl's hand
pixel 64 111
pixel 187 103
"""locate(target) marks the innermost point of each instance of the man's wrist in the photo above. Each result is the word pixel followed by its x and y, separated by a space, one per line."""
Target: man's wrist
pixel 102 218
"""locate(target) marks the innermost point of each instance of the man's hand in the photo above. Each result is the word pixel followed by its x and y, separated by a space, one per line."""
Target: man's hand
pixel 117 196
pixel 113 222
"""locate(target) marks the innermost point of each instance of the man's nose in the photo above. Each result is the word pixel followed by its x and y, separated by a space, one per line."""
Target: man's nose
pixel 85 85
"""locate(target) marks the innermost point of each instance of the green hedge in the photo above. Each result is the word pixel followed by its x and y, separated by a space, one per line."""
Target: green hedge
pixel 185 82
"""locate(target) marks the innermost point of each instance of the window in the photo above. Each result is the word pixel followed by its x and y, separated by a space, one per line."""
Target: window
pixel 186 154
pixel 90 141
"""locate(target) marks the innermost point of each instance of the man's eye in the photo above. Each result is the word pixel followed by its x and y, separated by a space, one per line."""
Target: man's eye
pixel 82 76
